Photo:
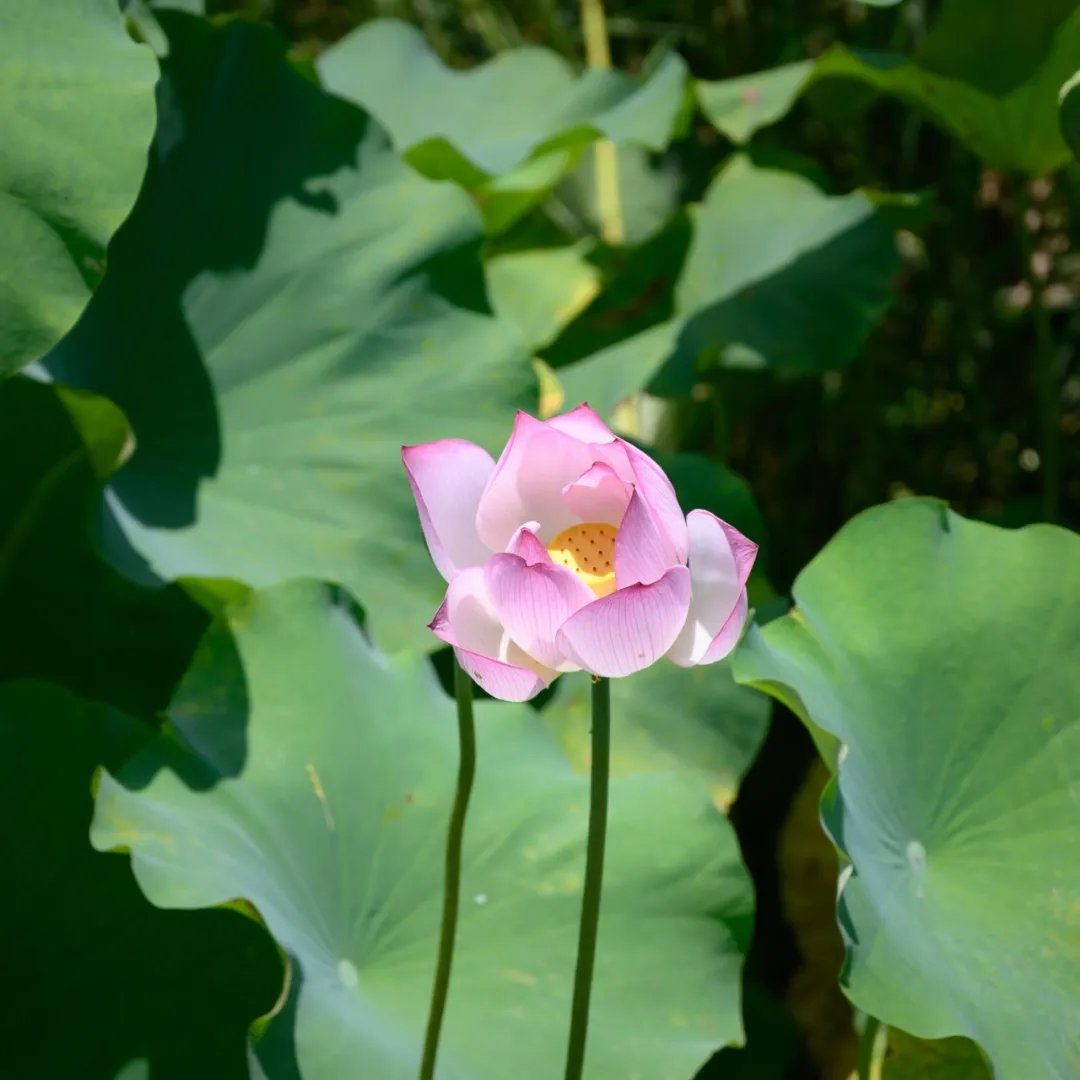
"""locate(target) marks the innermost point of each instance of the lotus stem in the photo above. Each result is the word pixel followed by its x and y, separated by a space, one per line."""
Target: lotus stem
pixel 452 877
pixel 594 877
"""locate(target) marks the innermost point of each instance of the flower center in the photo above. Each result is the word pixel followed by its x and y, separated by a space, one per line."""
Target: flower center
pixel 589 550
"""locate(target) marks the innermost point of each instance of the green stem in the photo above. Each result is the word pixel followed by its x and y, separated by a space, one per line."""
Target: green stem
pixel 594 876
pixel 452 879
pixel 867 1045
pixel 1045 375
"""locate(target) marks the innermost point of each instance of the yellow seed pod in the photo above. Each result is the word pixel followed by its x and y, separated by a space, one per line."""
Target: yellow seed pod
pixel 589 550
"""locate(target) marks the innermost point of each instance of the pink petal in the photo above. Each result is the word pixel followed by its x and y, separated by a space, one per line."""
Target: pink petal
pixel 745 550
pixel 584 424
pixel 525 545
pixel 598 494
pixel 729 634
pixel 537 463
pixel 642 553
pixel 630 629
pixel 533 600
pixel 483 648
pixel 720 562
pixel 657 491
pixel 447 479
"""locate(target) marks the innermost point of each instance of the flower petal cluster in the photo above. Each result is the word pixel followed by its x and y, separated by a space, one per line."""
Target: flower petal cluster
pixel 571 552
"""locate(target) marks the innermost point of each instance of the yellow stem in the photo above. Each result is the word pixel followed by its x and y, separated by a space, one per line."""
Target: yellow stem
pixel 605 159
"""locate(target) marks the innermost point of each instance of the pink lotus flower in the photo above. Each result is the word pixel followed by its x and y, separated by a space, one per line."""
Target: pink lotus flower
pixel 571 553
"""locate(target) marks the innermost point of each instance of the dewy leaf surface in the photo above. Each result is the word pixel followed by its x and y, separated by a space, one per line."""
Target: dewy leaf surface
pixel 77 113
pixel 314 304
pixel 324 782
pixel 943 654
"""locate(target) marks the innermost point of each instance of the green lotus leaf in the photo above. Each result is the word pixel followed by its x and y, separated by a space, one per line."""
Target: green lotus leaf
pixel 942 656
pixel 304 319
pixel 649 187
pixel 78 114
pixel 696 720
pixel 472 125
pixel 739 107
pixel 542 289
pixel 313 776
pixel 908 1058
pixel 988 72
pixel 775 272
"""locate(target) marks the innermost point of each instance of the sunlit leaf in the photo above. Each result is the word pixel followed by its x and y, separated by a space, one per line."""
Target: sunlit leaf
pixel 77 111
pixel 542 289
pixel 467 125
pixel 695 720
pixel 940 653
pixel 325 777
pixel 510 128
pixel 299 322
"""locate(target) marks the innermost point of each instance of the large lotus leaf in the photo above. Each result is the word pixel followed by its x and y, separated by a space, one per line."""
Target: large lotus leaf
pixel 66 615
pixel 288 304
pixel 98 977
pixel 780 273
pixel 77 113
pixel 776 273
pixel 470 125
pixel 326 778
pixel 697 720
pixel 942 653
